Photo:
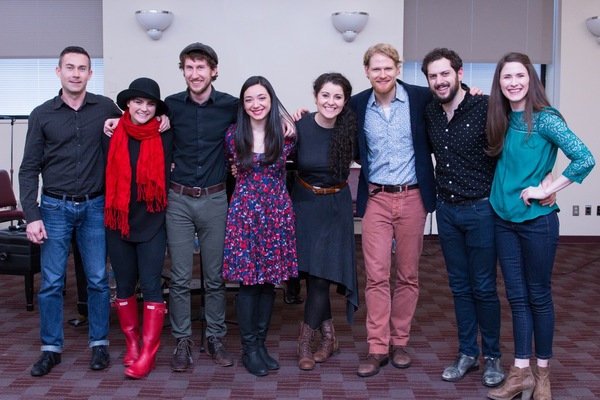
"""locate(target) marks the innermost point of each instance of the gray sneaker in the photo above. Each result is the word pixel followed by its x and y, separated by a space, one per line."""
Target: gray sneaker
pixel 182 355
pixel 461 366
pixel 493 374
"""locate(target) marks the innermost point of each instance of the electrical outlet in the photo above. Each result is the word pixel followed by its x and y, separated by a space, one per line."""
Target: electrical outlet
pixel 575 211
pixel 588 210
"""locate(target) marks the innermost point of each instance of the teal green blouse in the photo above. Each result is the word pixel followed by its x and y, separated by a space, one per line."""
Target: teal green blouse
pixel 525 161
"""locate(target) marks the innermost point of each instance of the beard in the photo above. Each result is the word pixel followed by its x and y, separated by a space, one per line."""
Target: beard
pixel 451 94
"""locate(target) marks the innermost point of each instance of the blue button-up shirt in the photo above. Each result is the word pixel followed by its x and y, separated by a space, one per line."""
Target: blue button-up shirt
pixel 389 141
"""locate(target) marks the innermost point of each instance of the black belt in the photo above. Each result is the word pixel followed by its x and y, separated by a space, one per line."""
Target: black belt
pixel 467 202
pixel 196 191
pixel 392 188
pixel 80 198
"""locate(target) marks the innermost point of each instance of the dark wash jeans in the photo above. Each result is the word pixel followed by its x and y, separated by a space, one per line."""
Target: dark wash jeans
pixel 526 252
pixel 466 235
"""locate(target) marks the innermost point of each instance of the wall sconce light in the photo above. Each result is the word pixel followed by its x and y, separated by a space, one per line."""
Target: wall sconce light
pixel 593 25
pixel 154 21
pixel 349 23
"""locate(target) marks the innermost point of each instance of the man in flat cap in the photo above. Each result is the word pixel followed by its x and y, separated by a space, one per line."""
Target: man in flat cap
pixel 200 116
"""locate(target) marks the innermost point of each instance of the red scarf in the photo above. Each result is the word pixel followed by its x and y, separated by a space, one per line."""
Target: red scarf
pixel 150 172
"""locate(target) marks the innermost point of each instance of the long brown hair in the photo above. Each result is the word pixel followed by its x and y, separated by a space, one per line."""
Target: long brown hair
pixel 499 106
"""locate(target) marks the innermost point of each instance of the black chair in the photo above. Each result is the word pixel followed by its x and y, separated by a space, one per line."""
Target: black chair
pixel 8 201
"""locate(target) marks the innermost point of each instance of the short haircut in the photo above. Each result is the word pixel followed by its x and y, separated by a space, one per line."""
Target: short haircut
pixel 382 48
pixel 76 50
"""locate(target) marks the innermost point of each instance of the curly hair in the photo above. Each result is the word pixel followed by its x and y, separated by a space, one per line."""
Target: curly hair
pixel 343 139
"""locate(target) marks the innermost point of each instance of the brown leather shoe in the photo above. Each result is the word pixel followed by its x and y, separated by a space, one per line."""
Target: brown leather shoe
pixel 306 361
pixel 400 358
pixel 372 364
pixel 182 355
pixel 329 344
pixel 215 349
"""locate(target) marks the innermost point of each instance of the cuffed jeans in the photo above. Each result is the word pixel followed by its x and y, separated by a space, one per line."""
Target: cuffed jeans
pixel 206 216
pixel 526 251
pixel 466 235
pixel 60 217
pixel 389 216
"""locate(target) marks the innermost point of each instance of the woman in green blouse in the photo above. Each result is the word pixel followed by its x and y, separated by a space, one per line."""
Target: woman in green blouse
pixel 525 133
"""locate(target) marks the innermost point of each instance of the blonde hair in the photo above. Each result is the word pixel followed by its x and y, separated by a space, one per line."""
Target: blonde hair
pixel 382 48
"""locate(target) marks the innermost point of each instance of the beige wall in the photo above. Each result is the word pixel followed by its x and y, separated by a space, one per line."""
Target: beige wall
pixel 291 42
pixel 578 84
pixel 288 41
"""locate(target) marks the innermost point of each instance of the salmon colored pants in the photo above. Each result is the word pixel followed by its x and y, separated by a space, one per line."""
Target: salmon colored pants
pixel 400 216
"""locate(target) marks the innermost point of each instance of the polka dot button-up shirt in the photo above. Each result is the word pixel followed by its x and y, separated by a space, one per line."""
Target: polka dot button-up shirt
pixel 463 170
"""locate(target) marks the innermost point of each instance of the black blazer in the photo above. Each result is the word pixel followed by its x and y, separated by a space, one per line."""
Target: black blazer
pixel 418 98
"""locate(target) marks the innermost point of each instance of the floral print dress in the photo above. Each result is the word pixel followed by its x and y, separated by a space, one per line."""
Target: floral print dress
pixel 260 238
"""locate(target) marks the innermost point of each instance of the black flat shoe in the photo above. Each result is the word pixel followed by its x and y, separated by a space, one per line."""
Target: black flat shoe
pixel 291 298
pixel 45 363
pixel 100 358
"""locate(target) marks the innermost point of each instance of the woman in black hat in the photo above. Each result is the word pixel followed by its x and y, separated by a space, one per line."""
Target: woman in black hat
pixel 137 173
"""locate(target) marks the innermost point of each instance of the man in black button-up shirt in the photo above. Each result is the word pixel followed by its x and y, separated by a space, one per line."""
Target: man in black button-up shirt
pixel 64 145
pixel 200 116
pixel 456 123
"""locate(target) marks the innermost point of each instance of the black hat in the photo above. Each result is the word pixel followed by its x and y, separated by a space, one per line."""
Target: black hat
pixel 145 88
pixel 201 48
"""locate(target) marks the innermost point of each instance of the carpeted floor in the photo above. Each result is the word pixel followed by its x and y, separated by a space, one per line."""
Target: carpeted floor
pixel 575 367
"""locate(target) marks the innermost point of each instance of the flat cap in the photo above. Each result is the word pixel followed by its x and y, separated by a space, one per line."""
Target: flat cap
pixel 201 48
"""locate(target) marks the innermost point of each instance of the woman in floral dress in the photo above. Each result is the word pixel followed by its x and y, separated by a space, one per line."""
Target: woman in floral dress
pixel 260 242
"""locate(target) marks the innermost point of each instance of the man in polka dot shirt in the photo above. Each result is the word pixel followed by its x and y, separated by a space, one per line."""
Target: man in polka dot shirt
pixel 456 122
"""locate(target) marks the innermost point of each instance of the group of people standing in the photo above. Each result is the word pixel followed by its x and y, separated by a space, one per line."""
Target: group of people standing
pixel 492 189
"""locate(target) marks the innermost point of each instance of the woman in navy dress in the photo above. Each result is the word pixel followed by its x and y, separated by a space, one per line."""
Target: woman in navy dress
pixel 325 216
pixel 260 242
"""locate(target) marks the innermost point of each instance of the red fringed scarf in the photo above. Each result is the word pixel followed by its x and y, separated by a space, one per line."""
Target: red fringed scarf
pixel 150 172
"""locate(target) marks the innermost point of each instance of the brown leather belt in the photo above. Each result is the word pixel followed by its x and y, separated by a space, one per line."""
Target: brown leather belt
pixel 391 188
pixel 196 191
pixel 320 190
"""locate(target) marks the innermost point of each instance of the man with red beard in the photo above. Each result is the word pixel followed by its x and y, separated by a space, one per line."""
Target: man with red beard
pixel 396 191
pixel 456 125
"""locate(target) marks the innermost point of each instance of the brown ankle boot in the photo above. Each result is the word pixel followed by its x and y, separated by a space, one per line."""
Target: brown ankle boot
pixel 329 344
pixel 542 384
pixel 519 380
pixel 306 361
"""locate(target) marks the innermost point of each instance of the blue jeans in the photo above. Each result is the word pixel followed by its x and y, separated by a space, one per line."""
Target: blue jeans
pixel 60 217
pixel 466 235
pixel 526 251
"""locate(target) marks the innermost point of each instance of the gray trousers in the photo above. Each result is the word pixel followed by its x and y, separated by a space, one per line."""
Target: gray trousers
pixel 206 216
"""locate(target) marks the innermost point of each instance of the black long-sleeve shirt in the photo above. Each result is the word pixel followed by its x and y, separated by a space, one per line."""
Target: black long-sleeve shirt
pixel 463 171
pixel 64 145
pixel 198 151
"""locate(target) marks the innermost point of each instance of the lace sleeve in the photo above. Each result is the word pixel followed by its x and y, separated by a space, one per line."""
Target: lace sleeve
pixel 554 129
